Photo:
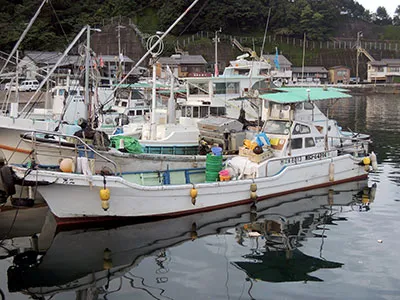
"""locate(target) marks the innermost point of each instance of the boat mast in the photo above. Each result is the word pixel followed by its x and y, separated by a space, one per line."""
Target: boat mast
pixel 52 71
pixel 22 36
pixel 265 34
pixel 171 101
pixel 304 54
pixel 216 40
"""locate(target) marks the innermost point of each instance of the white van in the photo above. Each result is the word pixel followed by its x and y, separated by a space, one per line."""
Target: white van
pixel 28 85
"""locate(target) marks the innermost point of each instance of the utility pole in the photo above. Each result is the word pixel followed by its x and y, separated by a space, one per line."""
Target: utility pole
pixel 358 46
pixel 216 41
pixel 87 65
pixel 120 56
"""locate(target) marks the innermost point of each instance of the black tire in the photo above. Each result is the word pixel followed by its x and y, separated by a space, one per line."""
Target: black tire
pixel 7 176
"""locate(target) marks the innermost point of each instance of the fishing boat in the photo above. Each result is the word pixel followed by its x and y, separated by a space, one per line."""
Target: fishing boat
pixel 110 253
pixel 299 148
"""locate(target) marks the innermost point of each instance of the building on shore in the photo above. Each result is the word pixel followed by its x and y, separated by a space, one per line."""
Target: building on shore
pixel 339 74
pixel 385 70
pixel 310 74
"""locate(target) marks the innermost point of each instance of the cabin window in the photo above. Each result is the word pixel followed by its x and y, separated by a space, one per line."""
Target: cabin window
pixel 242 71
pixel 296 143
pixel 264 71
pixel 217 111
pixel 61 92
pixel 301 129
pixel 309 142
pixel 203 111
pixel 198 89
pixel 277 127
pixel 299 106
pixel 308 105
pixel 124 104
pixel 226 88
pixel 195 112
pixel 186 111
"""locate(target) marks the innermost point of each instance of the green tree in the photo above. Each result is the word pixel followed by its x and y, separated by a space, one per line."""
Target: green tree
pixel 382 17
pixel 396 17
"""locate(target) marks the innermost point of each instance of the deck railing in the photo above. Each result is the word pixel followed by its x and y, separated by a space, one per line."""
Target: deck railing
pixel 78 146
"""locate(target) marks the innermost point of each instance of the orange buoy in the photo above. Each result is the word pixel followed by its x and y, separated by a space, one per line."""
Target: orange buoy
pixel 67 165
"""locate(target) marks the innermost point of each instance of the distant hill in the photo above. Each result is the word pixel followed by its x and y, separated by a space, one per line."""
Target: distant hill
pixel 59 21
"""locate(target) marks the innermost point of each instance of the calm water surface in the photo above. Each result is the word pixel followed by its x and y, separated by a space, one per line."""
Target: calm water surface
pixel 341 243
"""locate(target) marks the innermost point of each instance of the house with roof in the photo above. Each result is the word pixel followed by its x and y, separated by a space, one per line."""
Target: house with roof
pixel 385 70
pixel 36 64
pixel 282 70
pixel 339 74
pixel 183 65
pixel 310 74
pixel 113 66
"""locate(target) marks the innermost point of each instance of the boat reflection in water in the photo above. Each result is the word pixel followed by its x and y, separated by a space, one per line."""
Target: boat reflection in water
pixel 86 260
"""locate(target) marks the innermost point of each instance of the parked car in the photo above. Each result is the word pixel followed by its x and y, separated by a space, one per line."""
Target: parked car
pixel 10 86
pixel 28 85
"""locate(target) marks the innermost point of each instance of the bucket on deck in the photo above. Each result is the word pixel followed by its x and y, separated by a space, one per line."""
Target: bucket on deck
pixel 213 166
pixel 217 151
pixel 224 175
pixel 213 163
pixel 211 176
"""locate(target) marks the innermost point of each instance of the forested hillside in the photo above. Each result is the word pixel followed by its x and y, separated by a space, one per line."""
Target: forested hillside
pixel 60 20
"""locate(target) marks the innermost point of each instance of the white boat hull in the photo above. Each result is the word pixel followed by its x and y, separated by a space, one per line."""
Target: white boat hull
pixel 13 149
pixel 77 196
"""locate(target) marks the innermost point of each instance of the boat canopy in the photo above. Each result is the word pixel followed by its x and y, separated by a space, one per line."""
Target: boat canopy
pixel 297 94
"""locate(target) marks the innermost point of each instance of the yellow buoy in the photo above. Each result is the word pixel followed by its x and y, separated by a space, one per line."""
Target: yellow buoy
pixel 253 187
pixel 365 199
pixel 105 194
pixel 105 204
pixel 330 196
pixel 107 262
pixel 67 165
pixel 366 160
pixel 193 195
pixel 253 195
pixel 331 172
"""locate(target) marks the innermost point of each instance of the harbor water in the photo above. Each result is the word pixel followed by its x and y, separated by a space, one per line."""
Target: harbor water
pixel 331 243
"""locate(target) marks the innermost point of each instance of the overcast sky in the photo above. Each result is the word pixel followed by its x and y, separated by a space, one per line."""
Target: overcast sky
pixel 372 5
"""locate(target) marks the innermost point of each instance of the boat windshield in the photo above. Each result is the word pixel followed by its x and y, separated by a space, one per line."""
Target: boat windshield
pixel 277 127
